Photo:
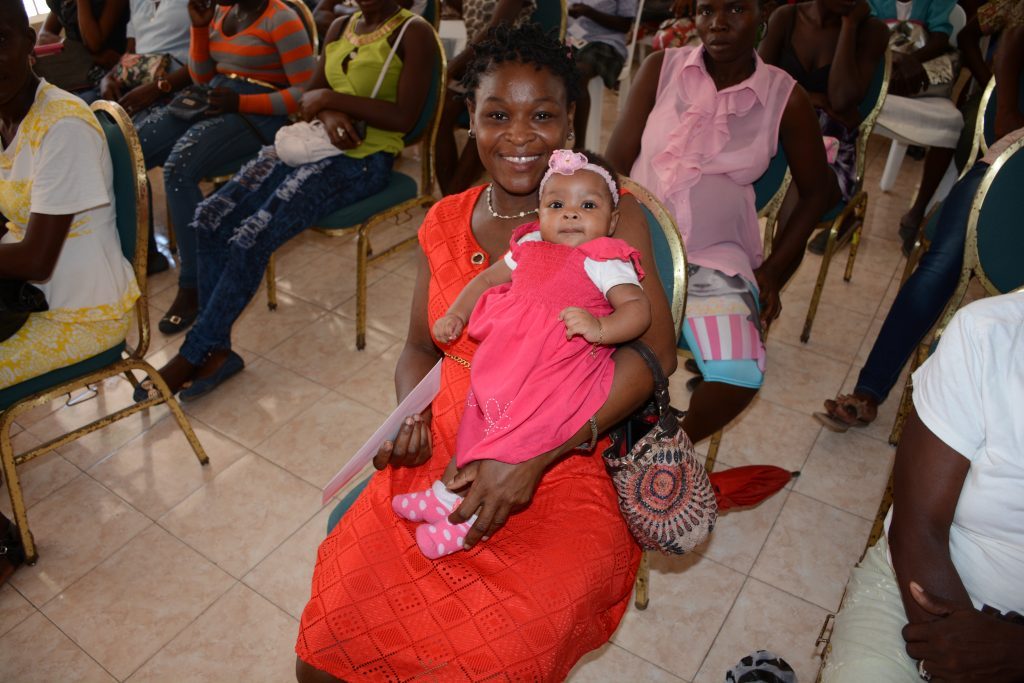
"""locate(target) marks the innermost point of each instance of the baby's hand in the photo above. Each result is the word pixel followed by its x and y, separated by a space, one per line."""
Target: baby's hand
pixel 448 328
pixel 579 322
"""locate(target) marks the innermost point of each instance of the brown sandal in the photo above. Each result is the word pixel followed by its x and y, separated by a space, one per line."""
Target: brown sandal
pixel 844 412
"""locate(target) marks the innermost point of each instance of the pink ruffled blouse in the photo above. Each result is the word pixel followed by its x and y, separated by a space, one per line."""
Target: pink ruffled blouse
pixel 701 151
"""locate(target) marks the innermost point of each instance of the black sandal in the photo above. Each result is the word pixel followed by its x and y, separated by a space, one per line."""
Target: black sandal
pixel 12 552
pixel 172 324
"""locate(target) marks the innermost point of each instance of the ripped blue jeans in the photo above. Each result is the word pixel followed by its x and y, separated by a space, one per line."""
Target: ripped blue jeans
pixel 266 204
pixel 191 151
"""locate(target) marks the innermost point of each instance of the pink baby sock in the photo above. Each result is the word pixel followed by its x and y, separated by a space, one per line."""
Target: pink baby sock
pixel 436 536
pixel 442 538
pixel 432 505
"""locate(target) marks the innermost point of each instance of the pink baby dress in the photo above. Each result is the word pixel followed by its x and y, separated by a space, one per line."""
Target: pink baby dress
pixel 530 387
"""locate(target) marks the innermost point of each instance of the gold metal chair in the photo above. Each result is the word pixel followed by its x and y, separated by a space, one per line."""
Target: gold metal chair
pixel 399 197
pixel 855 209
pixel 993 253
pixel 131 202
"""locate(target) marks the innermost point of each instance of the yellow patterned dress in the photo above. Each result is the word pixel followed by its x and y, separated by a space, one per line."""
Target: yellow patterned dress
pixel 58 164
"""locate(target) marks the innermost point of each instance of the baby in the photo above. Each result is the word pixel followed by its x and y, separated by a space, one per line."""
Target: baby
pixel 547 317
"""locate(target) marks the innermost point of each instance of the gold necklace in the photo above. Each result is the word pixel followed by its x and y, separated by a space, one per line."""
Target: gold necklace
pixel 361 39
pixel 495 214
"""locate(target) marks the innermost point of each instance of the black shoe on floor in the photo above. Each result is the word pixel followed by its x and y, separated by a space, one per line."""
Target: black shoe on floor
pixel 157 263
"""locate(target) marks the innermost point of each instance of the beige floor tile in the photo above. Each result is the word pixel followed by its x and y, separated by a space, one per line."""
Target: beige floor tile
pixel 795 376
pixel 316 443
pixel 243 514
pixel 811 549
pixel 325 350
pixel 373 384
pixel 260 329
pixel 242 637
pixel 285 576
pixel 877 256
pixel 769 434
pixel 612 663
pixel 39 477
pixel 158 469
pixel 92 448
pixel 37 652
pixel 255 403
pixel 327 280
pixel 388 303
pixel 740 534
pixel 848 471
pixel 690 595
pixel 861 294
pixel 14 609
pixel 137 600
pixel 765 618
pixel 836 332
pixel 75 529
pixel 296 254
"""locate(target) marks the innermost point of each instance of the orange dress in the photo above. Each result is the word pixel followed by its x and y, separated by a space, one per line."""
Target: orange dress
pixel 524 605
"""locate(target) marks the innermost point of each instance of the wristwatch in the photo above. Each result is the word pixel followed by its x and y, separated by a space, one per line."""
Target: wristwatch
pixel 163 84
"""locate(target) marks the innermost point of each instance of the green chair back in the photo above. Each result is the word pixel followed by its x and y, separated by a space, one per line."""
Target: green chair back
pixel 432 13
pixel 989 129
pixel 770 183
pixel 550 14
pixel 430 105
pixel 996 221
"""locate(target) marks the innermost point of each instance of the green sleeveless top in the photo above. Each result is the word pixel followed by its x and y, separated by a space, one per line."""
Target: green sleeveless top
pixel 368 54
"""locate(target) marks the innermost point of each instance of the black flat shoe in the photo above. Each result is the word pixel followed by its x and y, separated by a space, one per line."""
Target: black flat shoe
pixel 157 263
pixel 231 366
pixel 173 324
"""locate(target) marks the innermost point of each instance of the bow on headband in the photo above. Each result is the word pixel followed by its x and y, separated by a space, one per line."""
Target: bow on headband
pixel 567 162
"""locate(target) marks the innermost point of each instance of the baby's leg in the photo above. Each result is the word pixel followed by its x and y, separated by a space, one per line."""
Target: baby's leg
pixel 432 505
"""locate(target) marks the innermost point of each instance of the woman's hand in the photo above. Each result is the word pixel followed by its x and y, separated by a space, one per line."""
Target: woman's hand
pixel 908 76
pixel 200 12
pixel 578 9
pixel 411 446
pixel 139 98
pixel 448 328
pixel 110 88
pixel 223 101
pixel 964 644
pixel 496 490
pixel 44 37
pixel 313 102
pixel 769 288
pixel 580 322
pixel 859 13
pixel 339 128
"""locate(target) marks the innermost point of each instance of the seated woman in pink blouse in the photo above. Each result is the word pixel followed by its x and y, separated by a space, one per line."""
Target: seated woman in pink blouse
pixel 715 116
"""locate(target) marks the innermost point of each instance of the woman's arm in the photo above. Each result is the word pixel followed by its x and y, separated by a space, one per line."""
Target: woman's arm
pixel 862 42
pixel 35 257
pixel 613 22
pixel 817 189
pixel 96 30
pixel 624 145
pixel 411 447
pixel 919 533
pixel 418 54
pixel 770 49
pixel 200 66
pixel 497 274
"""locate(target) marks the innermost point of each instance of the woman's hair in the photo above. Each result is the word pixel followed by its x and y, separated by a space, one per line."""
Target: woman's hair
pixel 15 11
pixel 526 44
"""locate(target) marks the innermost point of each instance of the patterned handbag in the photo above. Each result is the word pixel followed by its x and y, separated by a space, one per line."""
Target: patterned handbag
pixel 134 69
pixel 665 495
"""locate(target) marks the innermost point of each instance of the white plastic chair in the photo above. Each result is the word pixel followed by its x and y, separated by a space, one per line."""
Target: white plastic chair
pixel 941 111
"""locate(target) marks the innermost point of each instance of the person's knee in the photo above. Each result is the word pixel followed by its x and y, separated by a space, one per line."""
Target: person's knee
pixel 305 673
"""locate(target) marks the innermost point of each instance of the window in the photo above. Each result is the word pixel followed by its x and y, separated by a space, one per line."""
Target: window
pixel 35 7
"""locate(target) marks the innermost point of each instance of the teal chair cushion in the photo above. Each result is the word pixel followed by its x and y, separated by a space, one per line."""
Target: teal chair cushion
pixel 124 184
pixel 831 214
pixel 11 395
pixel 400 188
pixel 345 503
pixel 770 181
pixel 1000 239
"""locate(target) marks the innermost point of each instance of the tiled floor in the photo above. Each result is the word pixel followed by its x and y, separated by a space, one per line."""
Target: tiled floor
pixel 156 569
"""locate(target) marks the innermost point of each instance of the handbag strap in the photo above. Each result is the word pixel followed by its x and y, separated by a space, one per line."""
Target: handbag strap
pixel 387 62
pixel 661 397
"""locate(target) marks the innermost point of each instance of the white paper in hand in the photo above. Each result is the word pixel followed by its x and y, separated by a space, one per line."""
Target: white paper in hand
pixel 417 400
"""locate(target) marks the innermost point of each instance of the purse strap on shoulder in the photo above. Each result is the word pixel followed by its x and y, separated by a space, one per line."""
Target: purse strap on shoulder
pixel 661 398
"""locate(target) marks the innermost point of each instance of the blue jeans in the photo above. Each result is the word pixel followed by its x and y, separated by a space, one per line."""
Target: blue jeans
pixel 922 298
pixel 191 151
pixel 266 204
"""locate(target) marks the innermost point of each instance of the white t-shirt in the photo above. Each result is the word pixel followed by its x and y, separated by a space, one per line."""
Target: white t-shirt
pixel 604 274
pixel 970 394
pixel 58 163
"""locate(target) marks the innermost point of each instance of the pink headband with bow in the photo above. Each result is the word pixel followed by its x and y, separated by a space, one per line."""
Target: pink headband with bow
pixel 567 162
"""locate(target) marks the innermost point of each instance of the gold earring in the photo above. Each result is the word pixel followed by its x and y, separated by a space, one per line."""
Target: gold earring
pixel 472 135
pixel 571 135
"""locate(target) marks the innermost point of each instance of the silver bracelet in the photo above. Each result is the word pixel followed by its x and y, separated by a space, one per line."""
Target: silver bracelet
pixel 588 446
